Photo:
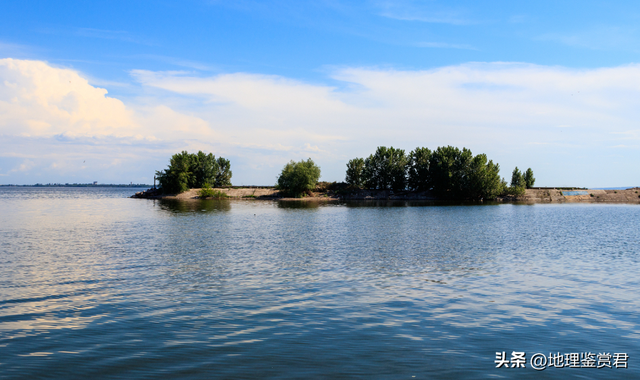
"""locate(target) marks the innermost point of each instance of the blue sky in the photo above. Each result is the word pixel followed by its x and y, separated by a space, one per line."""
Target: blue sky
pixel 547 85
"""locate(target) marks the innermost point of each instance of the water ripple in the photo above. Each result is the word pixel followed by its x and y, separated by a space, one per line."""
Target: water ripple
pixel 96 285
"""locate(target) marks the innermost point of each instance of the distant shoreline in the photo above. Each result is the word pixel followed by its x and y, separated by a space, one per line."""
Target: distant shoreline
pixel 81 185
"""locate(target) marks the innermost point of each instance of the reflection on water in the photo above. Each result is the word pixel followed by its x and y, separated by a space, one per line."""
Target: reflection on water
pixel 308 204
pixel 415 203
pixel 194 205
pixel 114 287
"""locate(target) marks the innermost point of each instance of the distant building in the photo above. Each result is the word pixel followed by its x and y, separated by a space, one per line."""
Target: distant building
pixel 95 182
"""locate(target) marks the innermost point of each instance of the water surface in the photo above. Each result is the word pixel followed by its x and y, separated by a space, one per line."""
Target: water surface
pixel 93 284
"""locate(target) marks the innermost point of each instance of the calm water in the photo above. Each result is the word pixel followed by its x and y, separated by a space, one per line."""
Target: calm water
pixel 96 285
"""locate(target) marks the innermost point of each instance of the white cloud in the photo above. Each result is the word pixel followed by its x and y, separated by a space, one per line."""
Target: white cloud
pixel 508 110
pixel 24 166
pixel 39 100
pixel 53 114
pixel 264 113
pixel 561 122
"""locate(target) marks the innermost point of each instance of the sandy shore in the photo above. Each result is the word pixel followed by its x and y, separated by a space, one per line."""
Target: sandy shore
pixel 581 196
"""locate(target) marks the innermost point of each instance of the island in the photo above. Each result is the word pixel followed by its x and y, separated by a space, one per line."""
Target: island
pixel 444 174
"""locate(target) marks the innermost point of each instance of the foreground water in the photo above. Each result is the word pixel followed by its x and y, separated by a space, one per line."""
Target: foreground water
pixel 95 285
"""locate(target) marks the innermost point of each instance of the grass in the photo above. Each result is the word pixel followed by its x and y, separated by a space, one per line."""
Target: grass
pixel 207 192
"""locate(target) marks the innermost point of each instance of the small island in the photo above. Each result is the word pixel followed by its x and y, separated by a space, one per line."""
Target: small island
pixel 444 174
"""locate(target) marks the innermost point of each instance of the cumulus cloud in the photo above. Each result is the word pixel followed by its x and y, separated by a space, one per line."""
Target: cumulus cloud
pixel 40 100
pixel 44 108
pixel 566 124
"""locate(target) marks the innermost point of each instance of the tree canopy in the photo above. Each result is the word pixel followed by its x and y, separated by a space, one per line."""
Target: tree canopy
pixel 385 169
pixel 448 172
pixel 355 168
pixel 419 177
pixel 194 170
pixel 529 179
pixel 298 177
pixel 517 179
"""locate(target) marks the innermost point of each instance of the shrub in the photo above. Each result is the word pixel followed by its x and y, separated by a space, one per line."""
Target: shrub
pixel 207 192
pixel 298 177
pixel 219 194
pixel 342 188
pixel 515 190
pixel 323 186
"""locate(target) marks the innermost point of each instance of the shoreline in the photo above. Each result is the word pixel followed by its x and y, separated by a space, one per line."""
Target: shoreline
pixel 531 196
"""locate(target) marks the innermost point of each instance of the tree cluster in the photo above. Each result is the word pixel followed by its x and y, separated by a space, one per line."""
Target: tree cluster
pixel 194 170
pixel 298 177
pixel 520 182
pixel 448 172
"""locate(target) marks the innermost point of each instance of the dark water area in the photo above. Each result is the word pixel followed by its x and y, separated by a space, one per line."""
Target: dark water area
pixel 96 285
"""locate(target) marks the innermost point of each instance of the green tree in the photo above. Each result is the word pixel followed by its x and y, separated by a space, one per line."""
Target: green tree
pixel 223 173
pixel 529 180
pixel 204 167
pixel 177 177
pixel 386 169
pixel 419 173
pixel 517 180
pixel 298 177
pixel 450 173
pixel 517 183
pixel 187 171
pixel 449 168
pixel 355 168
pixel 483 179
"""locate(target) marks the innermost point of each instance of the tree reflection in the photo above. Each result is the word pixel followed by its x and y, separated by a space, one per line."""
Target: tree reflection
pixel 419 203
pixel 178 206
pixel 301 204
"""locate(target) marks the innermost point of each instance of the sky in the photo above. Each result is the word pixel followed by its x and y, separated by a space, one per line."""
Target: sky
pixel 108 91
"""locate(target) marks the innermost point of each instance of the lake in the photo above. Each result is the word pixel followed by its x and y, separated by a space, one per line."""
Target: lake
pixel 96 285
